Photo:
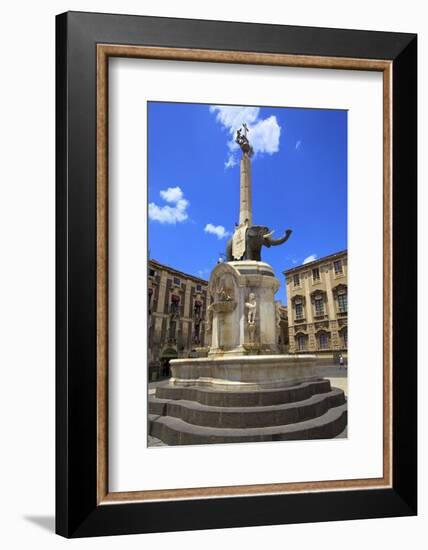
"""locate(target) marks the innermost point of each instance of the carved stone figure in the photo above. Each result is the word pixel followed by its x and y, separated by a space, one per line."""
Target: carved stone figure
pixel 257 236
pixel 251 305
pixel 223 292
pixel 242 141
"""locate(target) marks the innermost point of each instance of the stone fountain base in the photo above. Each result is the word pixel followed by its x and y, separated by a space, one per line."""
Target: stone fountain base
pixel 244 399
pixel 245 371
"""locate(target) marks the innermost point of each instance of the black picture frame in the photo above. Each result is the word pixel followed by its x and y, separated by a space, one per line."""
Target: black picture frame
pixel 77 511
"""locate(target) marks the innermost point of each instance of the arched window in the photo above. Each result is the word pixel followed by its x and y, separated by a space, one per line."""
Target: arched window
pixel 323 339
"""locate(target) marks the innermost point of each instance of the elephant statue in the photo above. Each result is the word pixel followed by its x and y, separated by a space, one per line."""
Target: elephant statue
pixel 256 236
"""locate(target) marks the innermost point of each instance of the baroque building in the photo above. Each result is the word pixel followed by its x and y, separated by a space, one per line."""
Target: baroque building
pixel 282 327
pixel 317 297
pixel 177 305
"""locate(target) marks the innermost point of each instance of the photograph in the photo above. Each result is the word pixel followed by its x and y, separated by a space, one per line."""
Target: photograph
pixel 247 291
pixel 235 235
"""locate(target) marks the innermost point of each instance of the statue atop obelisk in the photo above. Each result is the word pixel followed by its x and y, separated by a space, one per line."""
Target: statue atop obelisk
pixel 245 206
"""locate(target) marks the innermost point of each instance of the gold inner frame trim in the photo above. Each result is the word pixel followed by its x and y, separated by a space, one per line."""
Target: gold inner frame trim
pixel 104 51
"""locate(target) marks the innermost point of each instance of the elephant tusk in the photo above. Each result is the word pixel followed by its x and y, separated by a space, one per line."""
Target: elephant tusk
pixel 269 235
pixel 276 242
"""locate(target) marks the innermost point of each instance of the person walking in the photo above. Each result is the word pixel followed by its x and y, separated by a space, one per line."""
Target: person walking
pixel 341 361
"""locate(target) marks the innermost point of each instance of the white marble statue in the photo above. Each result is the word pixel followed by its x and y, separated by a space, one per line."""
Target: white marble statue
pixel 251 305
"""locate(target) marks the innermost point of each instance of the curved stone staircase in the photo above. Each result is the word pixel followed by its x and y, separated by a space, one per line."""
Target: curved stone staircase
pixel 196 415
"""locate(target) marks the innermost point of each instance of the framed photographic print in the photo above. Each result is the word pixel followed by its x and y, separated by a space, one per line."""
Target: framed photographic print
pixel 236 246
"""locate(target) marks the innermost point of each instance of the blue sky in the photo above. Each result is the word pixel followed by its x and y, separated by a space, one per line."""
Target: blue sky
pixel 299 181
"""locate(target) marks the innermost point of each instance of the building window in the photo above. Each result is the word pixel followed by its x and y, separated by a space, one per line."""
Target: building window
pixel 150 300
pixel 198 307
pixel 338 267
pixel 152 272
pixel 301 342
pixel 175 303
pixel 342 300
pixel 296 280
pixel 172 329
pixel 299 311
pixel 344 337
pixel 198 288
pixel 319 306
pixel 196 334
pixel 323 340
pixel 315 274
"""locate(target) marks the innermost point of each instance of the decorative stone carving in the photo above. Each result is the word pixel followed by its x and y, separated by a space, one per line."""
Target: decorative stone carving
pixel 298 299
pixel 318 294
pixel 340 289
pixel 252 332
pixel 238 242
pixel 223 289
pixel 223 295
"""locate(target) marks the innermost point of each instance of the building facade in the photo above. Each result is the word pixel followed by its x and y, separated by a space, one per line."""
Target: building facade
pixel 282 327
pixel 317 297
pixel 177 305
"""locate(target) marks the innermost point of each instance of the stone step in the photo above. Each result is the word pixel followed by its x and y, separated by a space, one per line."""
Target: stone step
pixel 196 413
pixel 175 431
pixel 232 397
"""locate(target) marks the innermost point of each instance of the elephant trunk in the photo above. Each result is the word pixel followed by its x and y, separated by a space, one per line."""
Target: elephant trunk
pixel 268 241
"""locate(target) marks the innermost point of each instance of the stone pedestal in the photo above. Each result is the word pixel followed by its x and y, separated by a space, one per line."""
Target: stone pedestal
pixel 230 286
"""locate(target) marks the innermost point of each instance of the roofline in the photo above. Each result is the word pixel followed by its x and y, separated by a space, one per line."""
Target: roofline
pixel 177 272
pixel 314 262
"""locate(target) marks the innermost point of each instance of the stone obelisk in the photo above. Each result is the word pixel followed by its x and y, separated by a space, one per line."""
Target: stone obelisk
pixel 245 202
pixel 245 199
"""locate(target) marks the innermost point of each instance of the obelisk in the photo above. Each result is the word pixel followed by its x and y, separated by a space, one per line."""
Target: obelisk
pixel 245 203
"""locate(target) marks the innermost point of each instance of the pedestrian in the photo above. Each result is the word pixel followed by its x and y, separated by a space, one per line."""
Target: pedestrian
pixel 341 361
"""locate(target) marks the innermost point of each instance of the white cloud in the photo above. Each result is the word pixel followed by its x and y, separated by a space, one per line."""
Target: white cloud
pixel 218 230
pixel 232 117
pixel 310 258
pixel 265 136
pixel 170 214
pixel 263 133
pixel 172 194
pixel 231 161
pixel 298 144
